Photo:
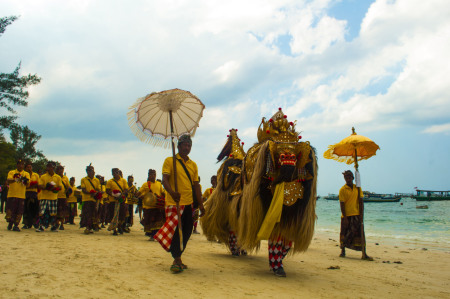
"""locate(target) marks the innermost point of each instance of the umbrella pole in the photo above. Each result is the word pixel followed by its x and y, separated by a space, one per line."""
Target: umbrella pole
pixel 180 231
pixel 361 211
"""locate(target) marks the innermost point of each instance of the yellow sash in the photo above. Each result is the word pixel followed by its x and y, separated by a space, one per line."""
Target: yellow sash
pixel 273 215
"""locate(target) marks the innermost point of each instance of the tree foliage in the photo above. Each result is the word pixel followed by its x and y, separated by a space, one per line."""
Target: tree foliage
pixel 25 141
pixel 13 92
pixel 7 160
pixel 13 87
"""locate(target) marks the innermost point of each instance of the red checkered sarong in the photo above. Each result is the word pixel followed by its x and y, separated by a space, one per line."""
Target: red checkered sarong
pixel 165 235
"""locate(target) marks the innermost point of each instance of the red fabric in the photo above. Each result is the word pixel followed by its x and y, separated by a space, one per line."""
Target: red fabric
pixel 165 235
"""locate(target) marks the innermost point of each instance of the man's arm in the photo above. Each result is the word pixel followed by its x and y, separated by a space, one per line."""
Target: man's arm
pixel 198 194
pixel 166 184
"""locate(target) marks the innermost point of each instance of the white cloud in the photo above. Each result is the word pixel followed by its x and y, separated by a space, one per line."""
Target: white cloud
pixel 444 128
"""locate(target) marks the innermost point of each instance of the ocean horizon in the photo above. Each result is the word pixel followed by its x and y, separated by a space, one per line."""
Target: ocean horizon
pixel 397 223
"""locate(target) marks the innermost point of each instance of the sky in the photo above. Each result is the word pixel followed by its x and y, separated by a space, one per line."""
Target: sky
pixel 379 66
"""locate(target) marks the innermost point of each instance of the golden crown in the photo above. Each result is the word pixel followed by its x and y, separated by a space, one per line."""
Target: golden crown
pixel 278 129
pixel 237 150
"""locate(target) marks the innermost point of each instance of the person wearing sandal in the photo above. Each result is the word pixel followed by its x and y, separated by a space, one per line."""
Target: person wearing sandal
pixel 188 189
pixel 352 233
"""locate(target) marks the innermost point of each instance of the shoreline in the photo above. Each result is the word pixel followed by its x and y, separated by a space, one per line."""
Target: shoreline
pixel 69 263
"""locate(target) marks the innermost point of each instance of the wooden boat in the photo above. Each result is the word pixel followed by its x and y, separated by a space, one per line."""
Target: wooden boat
pixel 429 195
pixel 382 198
pixel 370 197
pixel 331 196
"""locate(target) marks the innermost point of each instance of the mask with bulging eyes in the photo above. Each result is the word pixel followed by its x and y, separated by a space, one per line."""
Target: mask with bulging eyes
pixel 287 158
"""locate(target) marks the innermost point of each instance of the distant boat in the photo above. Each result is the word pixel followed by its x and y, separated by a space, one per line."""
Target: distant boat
pixel 370 197
pixel 331 196
pixel 429 195
pixel 422 207
pixel 373 197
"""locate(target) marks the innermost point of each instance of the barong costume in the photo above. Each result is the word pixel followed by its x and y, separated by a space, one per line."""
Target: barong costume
pixel 217 223
pixel 117 209
pixel 277 199
pixel 48 203
pixel 16 196
pixel 89 209
pixel 153 207
pixel 168 235
pixel 31 205
pixel 351 235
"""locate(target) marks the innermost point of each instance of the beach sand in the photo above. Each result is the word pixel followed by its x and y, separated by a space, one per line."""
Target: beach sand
pixel 69 264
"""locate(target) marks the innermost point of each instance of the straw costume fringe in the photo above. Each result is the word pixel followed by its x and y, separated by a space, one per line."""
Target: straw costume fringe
pixel 215 225
pixel 251 214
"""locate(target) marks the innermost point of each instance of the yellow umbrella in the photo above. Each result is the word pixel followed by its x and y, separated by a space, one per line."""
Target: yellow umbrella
pixel 353 146
pixel 351 149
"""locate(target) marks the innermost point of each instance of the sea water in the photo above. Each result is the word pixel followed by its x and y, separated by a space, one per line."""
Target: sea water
pixel 394 222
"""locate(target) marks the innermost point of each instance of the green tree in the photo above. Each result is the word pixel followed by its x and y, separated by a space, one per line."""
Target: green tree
pixel 7 161
pixel 25 141
pixel 13 87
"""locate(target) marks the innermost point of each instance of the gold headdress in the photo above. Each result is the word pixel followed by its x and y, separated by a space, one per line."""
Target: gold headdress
pixel 237 151
pixel 278 129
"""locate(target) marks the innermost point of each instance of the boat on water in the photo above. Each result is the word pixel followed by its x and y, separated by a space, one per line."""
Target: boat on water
pixel 373 197
pixel 431 195
pixel 331 196
pixel 370 197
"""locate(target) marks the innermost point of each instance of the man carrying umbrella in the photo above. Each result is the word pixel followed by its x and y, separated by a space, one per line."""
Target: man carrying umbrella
pixel 352 208
pixel 185 181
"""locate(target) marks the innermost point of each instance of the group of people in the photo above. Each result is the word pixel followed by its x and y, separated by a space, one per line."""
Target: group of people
pixel 50 200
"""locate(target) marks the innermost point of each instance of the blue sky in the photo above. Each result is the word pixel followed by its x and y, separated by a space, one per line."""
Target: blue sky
pixel 380 66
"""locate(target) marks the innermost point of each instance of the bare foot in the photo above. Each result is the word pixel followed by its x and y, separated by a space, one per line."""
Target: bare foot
pixel 367 258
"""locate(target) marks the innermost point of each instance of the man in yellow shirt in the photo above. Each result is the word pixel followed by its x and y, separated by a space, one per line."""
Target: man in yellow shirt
pixel 103 207
pixel 62 208
pixel 187 188
pixel 352 209
pixel 210 190
pixel 152 195
pixel 31 206
pixel 117 189
pixel 130 201
pixel 49 184
pixel 72 203
pixel 90 194
pixel 18 180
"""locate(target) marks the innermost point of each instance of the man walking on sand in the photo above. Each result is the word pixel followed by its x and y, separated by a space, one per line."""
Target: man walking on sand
pixel 50 184
pixel 18 180
pixel 352 208
pixel 188 187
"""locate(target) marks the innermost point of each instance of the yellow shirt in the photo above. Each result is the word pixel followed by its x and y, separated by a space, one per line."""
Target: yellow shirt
pixel 156 188
pixel 17 189
pixel 44 180
pixel 130 197
pixel 112 184
pixel 65 183
pixel 34 177
pixel 349 196
pixel 208 192
pixel 104 195
pixel 184 185
pixel 89 184
pixel 72 197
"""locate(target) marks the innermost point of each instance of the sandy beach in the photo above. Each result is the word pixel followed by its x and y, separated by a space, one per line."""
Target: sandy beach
pixel 69 264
